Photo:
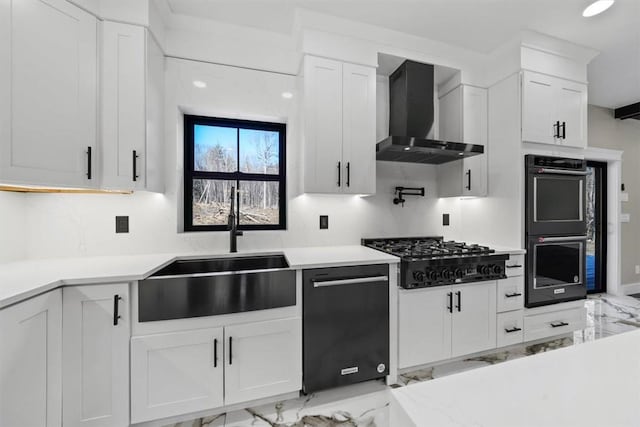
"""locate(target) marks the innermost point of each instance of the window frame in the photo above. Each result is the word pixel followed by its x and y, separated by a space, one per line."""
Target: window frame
pixel 190 121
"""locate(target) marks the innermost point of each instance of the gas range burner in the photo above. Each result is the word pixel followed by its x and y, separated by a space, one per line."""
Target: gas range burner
pixel 431 261
pixel 421 248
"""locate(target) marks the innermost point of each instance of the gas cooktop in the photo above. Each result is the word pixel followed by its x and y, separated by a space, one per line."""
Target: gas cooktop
pixel 432 261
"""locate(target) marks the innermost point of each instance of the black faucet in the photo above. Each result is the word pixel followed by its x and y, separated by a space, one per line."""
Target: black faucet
pixel 232 224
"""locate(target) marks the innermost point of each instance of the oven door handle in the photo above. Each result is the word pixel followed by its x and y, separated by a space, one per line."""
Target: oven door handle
pixel 561 172
pixel 561 239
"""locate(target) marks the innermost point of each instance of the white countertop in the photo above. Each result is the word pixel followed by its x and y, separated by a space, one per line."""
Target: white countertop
pixel 591 384
pixel 20 280
pixel 506 250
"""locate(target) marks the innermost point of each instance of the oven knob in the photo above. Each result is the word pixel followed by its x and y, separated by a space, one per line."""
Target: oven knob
pixel 497 269
pixel 458 273
pixel 432 275
pixel 484 269
pixel 446 274
pixel 419 276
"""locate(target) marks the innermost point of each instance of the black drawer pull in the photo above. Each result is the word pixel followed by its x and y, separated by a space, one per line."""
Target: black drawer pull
pixel 339 170
pixel 135 166
pixel 215 352
pixel 348 173
pixel 513 295
pixel 514 266
pixel 116 315
pixel 450 305
pixel 230 350
pixel 459 306
pixel 88 162
pixel 514 329
pixel 558 325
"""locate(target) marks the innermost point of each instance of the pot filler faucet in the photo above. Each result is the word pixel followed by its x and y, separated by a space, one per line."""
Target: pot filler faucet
pixel 232 224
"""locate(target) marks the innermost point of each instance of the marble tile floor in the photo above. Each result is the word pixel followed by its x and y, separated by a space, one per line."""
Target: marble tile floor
pixel 367 404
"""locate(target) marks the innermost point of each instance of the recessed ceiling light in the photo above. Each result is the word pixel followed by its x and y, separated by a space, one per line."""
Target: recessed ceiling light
pixel 287 95
pixel 597 7
pixel 199 84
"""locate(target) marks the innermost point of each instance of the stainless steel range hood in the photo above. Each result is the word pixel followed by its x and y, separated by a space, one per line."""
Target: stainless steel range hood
pixel 411 117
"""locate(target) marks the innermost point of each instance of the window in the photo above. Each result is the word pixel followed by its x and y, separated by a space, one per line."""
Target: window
pixel 222 153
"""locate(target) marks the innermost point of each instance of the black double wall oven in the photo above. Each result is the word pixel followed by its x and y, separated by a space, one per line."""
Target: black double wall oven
pixel 556 226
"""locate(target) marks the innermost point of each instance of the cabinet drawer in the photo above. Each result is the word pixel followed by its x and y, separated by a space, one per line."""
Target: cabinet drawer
pixel 554 323
pixel 510 294
pixel 509 328
pixel 515 265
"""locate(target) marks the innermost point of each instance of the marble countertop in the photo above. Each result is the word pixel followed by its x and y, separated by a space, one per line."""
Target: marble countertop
pixel 506 250
pixel 20 280
pixel 592 384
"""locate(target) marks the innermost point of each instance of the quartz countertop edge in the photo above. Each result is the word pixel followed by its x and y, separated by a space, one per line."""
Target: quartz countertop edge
pixel 21 280
pixel 562 387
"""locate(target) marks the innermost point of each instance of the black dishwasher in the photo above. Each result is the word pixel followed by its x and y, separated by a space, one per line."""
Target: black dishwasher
pixel 345 325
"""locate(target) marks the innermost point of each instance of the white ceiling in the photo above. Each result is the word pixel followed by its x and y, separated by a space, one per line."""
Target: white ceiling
pixel 480 25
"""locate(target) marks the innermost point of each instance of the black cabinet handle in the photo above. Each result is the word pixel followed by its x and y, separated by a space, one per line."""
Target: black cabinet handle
pixel 514 266
pixel 564 130
pixel 513 295
pixel 469 180
pixel 135 169
pixel 230 350
pixel 88 162
pixel 339 174
pixel 514 329
pixel 450 306
pixel 556 130
pixel 215 352
pixel 348 173
pixel 459 305
pixel 116 315
pixel 557 325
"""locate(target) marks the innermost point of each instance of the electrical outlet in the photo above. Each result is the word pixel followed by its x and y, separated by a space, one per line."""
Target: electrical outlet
pixel 445 219
pixel 324 222
pixel 637 269
pixel 122 224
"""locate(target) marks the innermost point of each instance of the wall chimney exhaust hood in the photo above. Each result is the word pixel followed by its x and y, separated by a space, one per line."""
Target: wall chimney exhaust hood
pixel 631 111
pixel 411 117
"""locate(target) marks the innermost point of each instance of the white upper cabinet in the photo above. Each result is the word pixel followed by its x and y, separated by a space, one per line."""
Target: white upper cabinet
pixel 463 118
pixel 31 362
pixel 554 110
pixel 131 99
pixel 339 127
pixel 48 93
pixel 96 333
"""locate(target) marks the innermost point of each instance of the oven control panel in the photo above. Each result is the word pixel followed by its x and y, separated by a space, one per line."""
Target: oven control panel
pixel 429 274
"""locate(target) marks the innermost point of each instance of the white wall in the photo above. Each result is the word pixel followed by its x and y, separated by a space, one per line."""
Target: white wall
pixel 75 225
pixel 12 226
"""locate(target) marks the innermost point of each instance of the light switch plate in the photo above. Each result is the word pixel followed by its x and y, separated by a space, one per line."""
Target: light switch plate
pixel 625 217
pixel 324 222
pixel 624 197
pixel 122 224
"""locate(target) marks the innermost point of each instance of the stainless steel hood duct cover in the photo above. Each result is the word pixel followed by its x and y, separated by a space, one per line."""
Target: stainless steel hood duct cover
pixel 411 117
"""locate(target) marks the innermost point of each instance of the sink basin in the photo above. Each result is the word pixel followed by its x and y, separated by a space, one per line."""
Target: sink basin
pixel 213 286
pixel 223 264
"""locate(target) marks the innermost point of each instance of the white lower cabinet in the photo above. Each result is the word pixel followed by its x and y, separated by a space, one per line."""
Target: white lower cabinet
pixel 96 331
pixel 548 324
pixel 31 362
pixel 264 359
pixel 509 328
pixel 474 318
pixel 182 372
pixel 176 373
pixel 444 322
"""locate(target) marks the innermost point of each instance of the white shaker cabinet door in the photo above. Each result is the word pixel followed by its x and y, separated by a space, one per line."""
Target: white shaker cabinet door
pixel 538 108
pixel 31 362
pixel 123 106
pixel 48 93
pixel 176 373
pixel 96 332
pixel 424 326
pixel 359 129
pixel 572 112
pixel 262 359
pixel 474 318
pixel 323 168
